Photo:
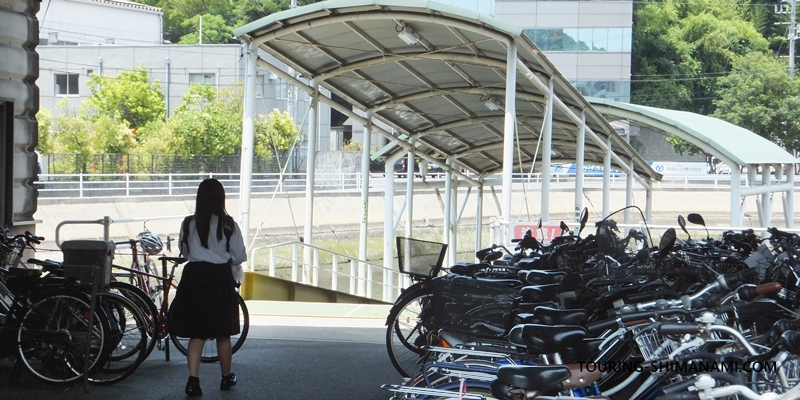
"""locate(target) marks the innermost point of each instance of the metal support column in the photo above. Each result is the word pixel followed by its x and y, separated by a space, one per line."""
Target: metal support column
pixel 766 197
pixel 479 218
pixel 410 186
pixel 448 207
pixel 362 233
pixel 607 180
pixel 246 168
pixel 311 165
pixel 547 152
pixel 388 226
pixel 579 167
pixel 508 133
pixel 628 194
pixel 789 209
pixel 736 187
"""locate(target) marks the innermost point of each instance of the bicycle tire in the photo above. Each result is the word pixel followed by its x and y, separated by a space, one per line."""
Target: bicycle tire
pixel 209 352
pixel 408 328
pixel 148 308
pixel 155 286
pixel 127 351
pixel 53 332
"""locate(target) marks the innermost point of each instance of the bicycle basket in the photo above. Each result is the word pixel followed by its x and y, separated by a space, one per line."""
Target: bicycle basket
pixel 420 258
pixel 472 306
pixel 652 344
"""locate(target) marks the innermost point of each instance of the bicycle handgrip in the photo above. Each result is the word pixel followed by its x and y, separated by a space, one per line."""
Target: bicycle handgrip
pixel 771 287
pixel 735 279
pixel 678 329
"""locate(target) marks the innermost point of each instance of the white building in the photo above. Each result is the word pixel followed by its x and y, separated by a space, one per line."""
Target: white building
pixel 588 41
pixel 74 22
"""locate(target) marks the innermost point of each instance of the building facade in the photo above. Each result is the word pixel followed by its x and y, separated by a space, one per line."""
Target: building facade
pixel 77 22
pixel 588 41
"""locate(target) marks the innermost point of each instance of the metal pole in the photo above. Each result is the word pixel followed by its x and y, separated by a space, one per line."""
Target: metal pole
pixel 311 163
pixel 607 179
pixel 508 131
pixel 792 35
pixel 547 153
pixel 246 166
pixel 362 237
pixel 579 154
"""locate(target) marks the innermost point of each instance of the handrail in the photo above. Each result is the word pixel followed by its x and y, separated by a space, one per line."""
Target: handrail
pixel 359 279
pixel 177 184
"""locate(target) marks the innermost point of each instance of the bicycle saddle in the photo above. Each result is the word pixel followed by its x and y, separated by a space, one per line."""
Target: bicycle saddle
pixel 554 316
pixel 536 277
pixel 540 293
pixel 547 339
pixel 544 379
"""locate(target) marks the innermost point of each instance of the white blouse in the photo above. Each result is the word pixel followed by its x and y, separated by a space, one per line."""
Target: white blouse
pixel 216 252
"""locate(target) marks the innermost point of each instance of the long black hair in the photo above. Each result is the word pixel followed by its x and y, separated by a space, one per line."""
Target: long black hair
pixel 210 201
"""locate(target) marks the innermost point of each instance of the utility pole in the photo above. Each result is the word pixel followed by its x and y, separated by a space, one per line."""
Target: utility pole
pixel 780 8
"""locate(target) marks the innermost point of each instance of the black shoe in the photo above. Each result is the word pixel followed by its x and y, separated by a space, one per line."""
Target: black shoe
pixel 193 387
pixel 227 382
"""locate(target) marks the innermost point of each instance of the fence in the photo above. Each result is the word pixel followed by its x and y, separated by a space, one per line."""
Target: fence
pixel 107 165
pixel 177 184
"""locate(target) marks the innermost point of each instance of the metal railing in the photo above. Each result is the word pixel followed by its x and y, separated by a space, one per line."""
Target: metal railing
pixel 143 185
pixel 327 269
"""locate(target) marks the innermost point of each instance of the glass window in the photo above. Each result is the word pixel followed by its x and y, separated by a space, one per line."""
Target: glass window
pixel 627 37
pixel 615 39
pixel 259 86
pixel 600 39
pixel 281 89
pixel 571 39
pixel 203 78
pixel 66 84
pixel 585 39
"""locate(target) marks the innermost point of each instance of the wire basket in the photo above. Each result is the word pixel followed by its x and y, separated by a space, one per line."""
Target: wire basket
pixel 420 258
pixel 10 258
pixel 472 306
pixel 652 345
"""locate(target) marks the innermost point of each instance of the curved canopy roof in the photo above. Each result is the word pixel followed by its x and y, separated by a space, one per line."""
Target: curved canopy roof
pixel 438 86
pixel 725 140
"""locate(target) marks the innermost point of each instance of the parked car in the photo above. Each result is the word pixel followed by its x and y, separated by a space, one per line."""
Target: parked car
pixel 401 169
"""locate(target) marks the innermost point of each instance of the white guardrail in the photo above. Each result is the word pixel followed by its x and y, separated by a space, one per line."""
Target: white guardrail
pixel 138 185
pixel 325 268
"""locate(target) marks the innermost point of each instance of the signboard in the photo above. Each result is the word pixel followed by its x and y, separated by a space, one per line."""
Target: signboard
pixel 550 230
pixel 679 168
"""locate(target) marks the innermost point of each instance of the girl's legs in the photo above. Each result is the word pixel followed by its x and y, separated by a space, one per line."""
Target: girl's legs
pixel 193 356
pixel 225 354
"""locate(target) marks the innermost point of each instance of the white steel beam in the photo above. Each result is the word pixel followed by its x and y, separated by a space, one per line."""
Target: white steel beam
pixel 362 232
pixel 311 166
pixel 246 167
pixel 509 130
pixel 579 155
pixel 547 152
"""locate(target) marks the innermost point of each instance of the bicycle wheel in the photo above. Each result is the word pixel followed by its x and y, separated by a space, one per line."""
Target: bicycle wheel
pixel 53 335
pixel 408 328
pixel 209 353
pixel 146 306
pixel 127 339
pixel 155 286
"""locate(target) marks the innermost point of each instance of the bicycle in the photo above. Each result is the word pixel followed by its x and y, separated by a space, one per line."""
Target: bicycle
pixel 151 245
pixel 158 314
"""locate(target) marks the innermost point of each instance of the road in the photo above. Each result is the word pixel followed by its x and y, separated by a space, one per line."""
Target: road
pixel 284 358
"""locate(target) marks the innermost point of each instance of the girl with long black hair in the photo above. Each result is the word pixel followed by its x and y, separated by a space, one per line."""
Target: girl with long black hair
pixel 205 305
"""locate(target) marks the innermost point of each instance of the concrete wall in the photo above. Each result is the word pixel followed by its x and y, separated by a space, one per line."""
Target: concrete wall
pixel 19 103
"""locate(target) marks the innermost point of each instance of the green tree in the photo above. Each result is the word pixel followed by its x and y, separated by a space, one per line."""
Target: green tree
pixel 129 97
pixel 215 30
pixel 209 122
pixel 44 118
pixel 275 133
pixel 681 49
pixel 759 95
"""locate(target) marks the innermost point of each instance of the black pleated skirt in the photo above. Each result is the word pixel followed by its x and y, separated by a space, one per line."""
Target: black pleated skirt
pixel 205 305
